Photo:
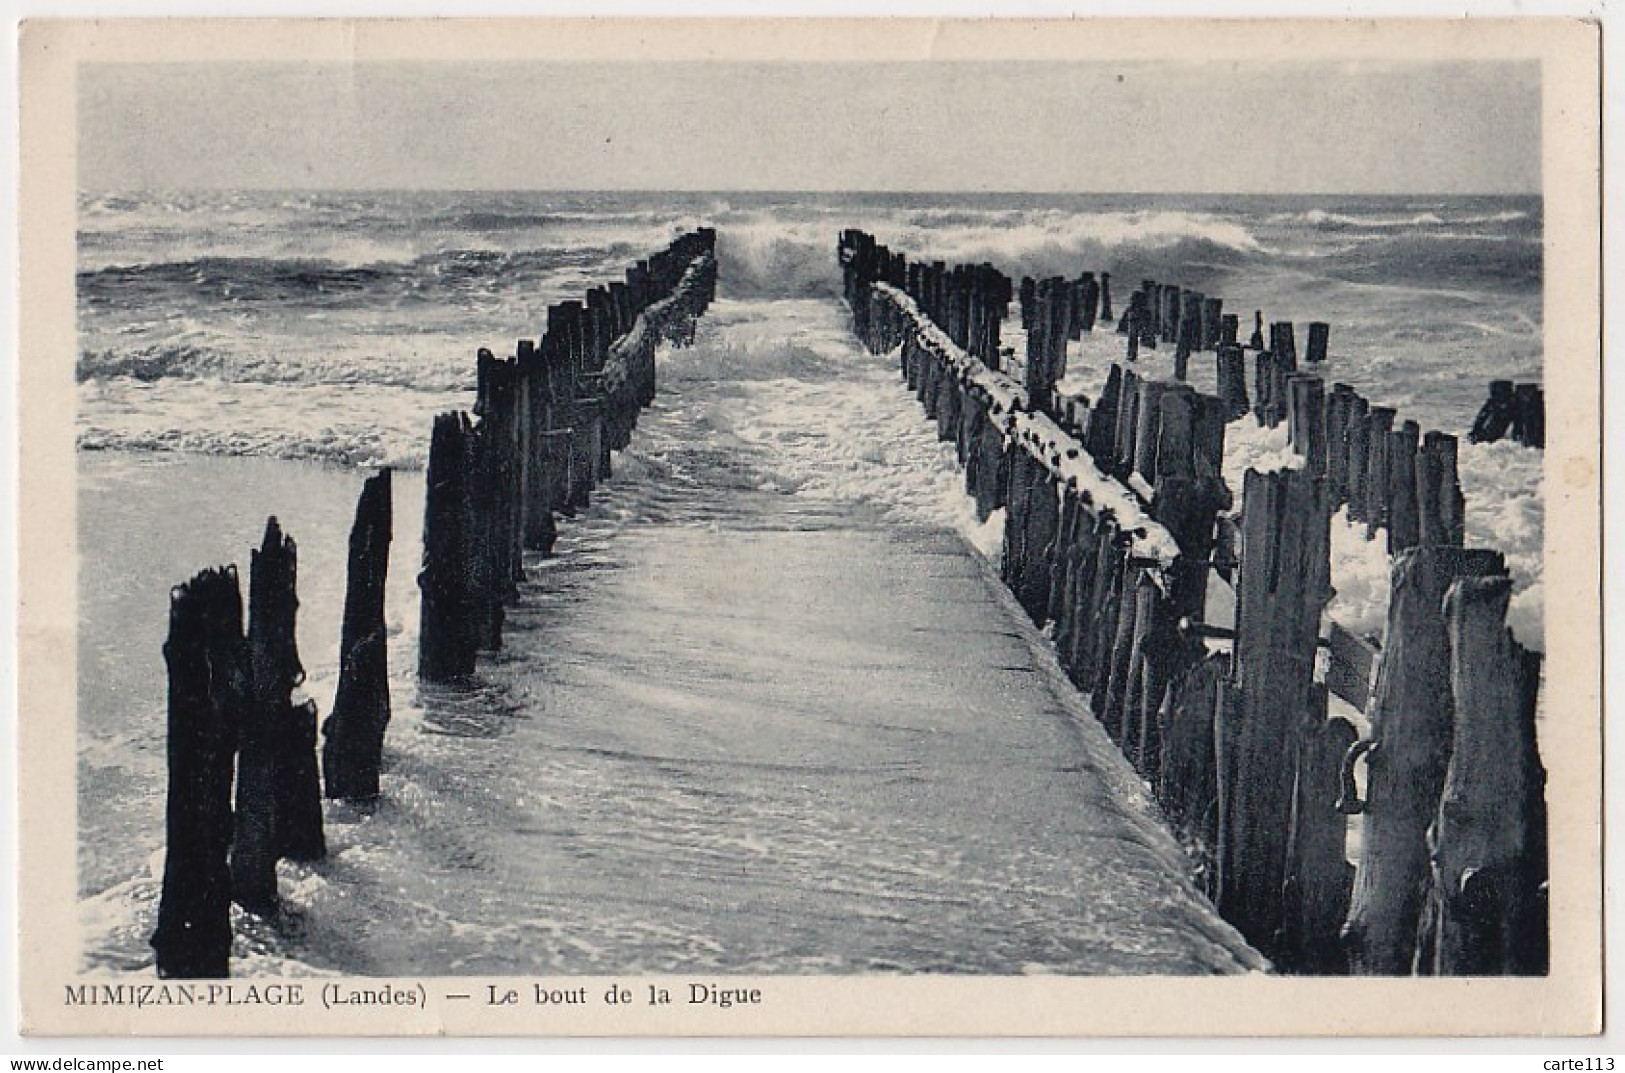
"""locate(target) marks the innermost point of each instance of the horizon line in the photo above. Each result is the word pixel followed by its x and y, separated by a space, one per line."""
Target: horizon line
pixel 855 192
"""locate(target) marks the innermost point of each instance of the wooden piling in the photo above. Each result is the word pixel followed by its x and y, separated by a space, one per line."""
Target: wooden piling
pixel 353 750
pixel 1148 422
pixel 1306 420
pixel 1213 323
pixel 1232 380
pixel 1138 734
pixel 1495 417
pixel 1338 407
pixel 1284 584
pixel 1042 523
pixel 1264 379
pixel 1529 415
pixel 1404 528
pixel 1443 514
pixel 209 691
pixel 1128 417
pixel 1319 876
pixel 1118 666
pixel 1101 438
pixel 1188 787
pixel 274 670
pixel 274 652
pixel 1319 338
pixel 1489 856
pixel 1358 434
pixel 1283 346
pixel 1411 713
pixel 1379 423
pixel 539 528
pixel 446 639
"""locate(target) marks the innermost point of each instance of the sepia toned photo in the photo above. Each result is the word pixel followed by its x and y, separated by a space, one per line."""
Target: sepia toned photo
pixel 817 527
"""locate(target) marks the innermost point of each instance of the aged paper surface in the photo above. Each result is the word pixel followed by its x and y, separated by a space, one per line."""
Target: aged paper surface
pixel 62 996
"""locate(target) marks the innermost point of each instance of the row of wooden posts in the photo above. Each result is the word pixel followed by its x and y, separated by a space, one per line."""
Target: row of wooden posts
pixel 1513 411
pixel 547 420
pixel 1111 531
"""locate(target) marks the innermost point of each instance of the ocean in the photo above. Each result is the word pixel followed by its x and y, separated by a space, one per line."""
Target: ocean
pixel 352 316
pixel 243 353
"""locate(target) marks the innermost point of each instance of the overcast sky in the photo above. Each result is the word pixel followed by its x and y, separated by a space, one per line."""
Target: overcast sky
pixel 1214 127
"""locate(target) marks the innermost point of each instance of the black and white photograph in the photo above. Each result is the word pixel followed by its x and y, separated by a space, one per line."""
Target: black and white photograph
pixel 718 513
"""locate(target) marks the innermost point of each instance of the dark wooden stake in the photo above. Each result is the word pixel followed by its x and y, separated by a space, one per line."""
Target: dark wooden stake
pixel 209 692
pixel 274 670
pixel 352 753
pixel 446 636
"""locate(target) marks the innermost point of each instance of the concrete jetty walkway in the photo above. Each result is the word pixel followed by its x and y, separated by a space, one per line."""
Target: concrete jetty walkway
pixel 747 722
pixel 767 711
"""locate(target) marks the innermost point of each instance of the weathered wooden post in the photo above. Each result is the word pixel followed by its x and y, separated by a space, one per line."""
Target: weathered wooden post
pixel 1101 436
pixel 1264 402
pixel 1104 611
pixel 499 488
pixel 1379 423
pixel 1283 346
pixel 1128 420
pixel 1358 434
pixel 1182 351
pixel 1168 314
pixel 1284 584
pixel 1495 417
pixel 1411 712
pixel 1032 585
pixel 1338 407
pixel 1189 491
pixel 1088 301
pixel 446 637
pixel 1529 415
pixel 1137 736
pixel 1190 319
pixel 1070 539
pixel 1256 342
pixel 274 670
pixel 1319 336
pixel 1017 494
pixel 1188 785
pixel 1118 650
pixel 353 750
pixel 1306 420
pixel 1150 322
pixel 1148 420
pixel 1106 297
pixel 209 691
pixel 1213 324
pixel 1441 508
pixel 1134 320
pixel 1232 380
pixel 1404 528
pixel 1489 840
pixel 1319 876
pixel 539 529
pixel 1229 329
pixel 1035 315
pixel 993 471
pixel 277 670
